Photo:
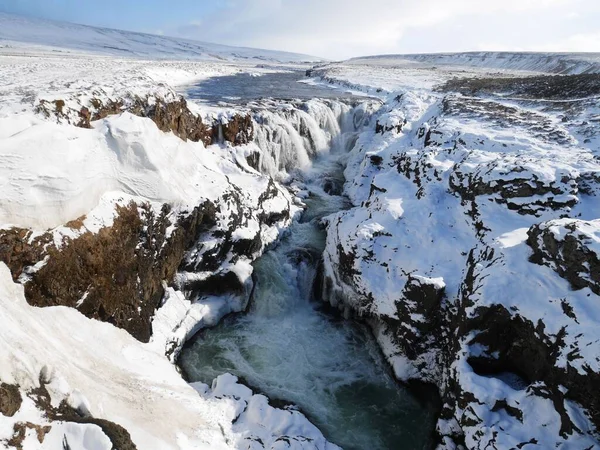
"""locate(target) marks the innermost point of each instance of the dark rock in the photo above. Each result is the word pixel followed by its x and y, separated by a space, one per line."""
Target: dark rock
pixel 85 118
pixel 523 348
pixel 253 160
pixel 471 185
pixel 248 247
pixel 20 433
pixel 420 297
pixel 176 117
pixel 376 160
pixel 118 270
pixel 556 87
pixel 10 399
pixel 570 257
pixel 382 129
pixel 238 130
pixel 217 284
pixel 510 410
pixel 119 436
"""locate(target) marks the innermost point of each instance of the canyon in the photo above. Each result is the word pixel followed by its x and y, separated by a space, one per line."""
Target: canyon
pixel 380 253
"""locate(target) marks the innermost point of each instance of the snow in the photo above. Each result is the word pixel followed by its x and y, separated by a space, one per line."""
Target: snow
pixel 286 427
pixel 47 35
pixel 85 437
pixel 513 238
pixel 420 208
pixel 563 63
pixel 123 153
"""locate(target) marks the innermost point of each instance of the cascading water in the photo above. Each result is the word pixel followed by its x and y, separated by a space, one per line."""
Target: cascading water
pixel 287 346
pixel 290 136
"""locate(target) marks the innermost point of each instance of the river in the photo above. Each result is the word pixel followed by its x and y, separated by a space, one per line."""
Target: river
pixel 290 347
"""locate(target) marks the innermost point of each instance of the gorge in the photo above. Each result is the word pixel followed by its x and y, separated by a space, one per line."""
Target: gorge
pixel 250 250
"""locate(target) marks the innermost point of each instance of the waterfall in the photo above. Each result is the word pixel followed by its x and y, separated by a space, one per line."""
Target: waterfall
pixel 290 136
pixel 286 346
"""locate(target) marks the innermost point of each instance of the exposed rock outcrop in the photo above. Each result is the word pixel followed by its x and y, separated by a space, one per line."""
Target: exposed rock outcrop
pixel 238 130
pixel 114 275
pixel 10 399
pixel 176 117
pixel 169 115
pixel 569 246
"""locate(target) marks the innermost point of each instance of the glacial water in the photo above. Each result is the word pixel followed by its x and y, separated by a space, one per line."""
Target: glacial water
pixel 290 349
pixel 244 87
pixel 288 345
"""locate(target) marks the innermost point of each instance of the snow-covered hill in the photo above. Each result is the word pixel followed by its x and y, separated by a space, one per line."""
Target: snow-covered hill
pixel 558 63
pixel 16 30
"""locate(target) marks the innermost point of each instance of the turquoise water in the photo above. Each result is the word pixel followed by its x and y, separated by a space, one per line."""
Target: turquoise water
pixel 290 349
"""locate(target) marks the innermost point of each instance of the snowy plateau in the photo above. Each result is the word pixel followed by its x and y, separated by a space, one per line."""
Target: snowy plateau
pixel 464 232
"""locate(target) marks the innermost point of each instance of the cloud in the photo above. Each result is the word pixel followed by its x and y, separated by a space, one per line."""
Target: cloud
pixel 581 42
pixel 344 28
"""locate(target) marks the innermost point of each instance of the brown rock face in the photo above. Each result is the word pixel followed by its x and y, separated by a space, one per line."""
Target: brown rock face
pixel 18 253
pixel 174 116
pixel 238 130
pixel 119 436
pixel 20 433
pixel 10 399
pixel 114 275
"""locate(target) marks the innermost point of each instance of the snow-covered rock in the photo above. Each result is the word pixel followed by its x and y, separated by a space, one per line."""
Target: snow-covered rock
pixel 570 247
pixel 451 194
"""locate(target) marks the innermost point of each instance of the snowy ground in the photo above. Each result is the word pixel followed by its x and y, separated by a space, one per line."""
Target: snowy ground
pixel 24 35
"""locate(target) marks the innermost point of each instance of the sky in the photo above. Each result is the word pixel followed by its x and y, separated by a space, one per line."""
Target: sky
pixel 339 29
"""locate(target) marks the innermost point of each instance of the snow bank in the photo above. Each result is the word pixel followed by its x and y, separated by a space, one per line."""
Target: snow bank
pixel 129 383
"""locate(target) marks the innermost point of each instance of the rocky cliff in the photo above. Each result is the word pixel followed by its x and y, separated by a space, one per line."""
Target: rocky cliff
pixel 471 250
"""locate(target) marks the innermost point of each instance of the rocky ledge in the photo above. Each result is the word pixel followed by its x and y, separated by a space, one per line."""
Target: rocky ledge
pixel 168 111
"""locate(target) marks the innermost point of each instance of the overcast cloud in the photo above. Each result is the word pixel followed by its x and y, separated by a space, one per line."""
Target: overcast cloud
pixel 344 28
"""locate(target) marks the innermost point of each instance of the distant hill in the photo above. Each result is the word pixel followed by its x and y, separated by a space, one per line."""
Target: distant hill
pixel 107 41
pixel 556 63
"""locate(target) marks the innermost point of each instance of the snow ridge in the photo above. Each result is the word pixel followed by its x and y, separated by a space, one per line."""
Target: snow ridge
pixel 18 30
